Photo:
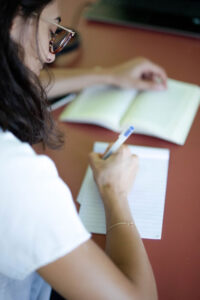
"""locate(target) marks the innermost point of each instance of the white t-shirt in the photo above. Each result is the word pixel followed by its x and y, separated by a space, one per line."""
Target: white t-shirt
pixel 38 220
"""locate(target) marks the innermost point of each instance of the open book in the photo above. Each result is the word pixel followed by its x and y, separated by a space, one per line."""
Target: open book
pixel 146 199
pixel 165 114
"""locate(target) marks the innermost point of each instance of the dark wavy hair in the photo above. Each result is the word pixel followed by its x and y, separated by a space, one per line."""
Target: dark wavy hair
pixel 23 101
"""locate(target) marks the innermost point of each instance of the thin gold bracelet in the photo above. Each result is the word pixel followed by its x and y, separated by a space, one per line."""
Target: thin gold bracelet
pixel 119 223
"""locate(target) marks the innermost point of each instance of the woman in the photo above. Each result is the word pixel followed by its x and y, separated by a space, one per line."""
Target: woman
pixel 43 242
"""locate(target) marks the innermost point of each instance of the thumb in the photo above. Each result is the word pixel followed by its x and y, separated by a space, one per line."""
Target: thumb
pixel 94 157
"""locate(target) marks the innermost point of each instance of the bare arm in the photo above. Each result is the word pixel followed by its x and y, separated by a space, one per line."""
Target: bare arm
pixel 87 272
pixel 123 243
pixel 73 80
pixel 138 73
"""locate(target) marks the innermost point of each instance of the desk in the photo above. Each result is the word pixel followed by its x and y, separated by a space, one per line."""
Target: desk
pixel 176 257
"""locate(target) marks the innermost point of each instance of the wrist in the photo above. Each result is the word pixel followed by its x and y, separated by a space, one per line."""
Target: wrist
pixel 110 194
pixel 116 204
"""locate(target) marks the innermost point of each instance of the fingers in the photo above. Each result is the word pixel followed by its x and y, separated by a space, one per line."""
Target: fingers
pixel 141 74
pixel 146 85
pixel 107 149
pixel 152 77
pixel 159 75
pixel 123 151
pixel 94 158
pixel 118 171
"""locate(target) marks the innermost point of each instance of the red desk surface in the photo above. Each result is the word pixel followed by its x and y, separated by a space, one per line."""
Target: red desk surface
pixel 176 257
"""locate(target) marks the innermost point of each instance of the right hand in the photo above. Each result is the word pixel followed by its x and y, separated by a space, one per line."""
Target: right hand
pixel 116 173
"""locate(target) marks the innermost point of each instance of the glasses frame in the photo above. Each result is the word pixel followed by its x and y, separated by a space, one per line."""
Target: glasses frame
pixel 65 40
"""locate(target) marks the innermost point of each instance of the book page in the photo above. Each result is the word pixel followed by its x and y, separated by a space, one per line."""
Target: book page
pixel 146 199
pixel 166 114
pixel 101 105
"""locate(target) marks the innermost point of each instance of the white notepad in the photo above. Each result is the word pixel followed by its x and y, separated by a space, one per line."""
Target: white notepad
pixel 146 199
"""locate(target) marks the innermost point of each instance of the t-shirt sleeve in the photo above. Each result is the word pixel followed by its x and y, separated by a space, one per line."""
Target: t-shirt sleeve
pixel 39 221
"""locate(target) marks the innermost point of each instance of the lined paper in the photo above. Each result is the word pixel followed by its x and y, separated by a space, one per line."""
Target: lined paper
pixel 146 199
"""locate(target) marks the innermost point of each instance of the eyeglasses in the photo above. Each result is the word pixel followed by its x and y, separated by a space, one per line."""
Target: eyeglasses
pixel 60 38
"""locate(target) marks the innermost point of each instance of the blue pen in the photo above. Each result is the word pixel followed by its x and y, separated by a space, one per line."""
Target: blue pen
pixel 121 139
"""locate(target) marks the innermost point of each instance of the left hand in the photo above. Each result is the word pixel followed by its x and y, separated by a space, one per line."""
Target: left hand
pixel 139 73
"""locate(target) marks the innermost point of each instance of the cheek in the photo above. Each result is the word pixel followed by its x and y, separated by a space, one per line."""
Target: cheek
pixel 43 42
pixel 32 57
pixel 30 49
pixel 30 46
pixel 44 49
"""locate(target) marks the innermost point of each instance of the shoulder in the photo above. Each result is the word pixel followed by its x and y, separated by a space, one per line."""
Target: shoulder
pixel 15 153
pixel 22 167
pixel 29 180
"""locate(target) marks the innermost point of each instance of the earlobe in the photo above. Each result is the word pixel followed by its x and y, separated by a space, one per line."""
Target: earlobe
pixel 50 58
